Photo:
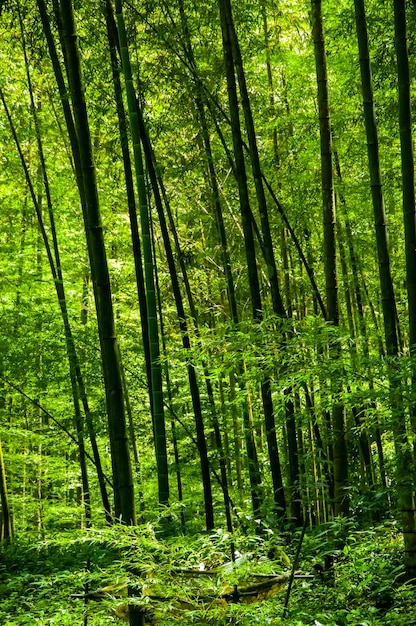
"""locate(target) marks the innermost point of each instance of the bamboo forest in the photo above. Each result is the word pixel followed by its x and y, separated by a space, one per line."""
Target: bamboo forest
pixel 208 313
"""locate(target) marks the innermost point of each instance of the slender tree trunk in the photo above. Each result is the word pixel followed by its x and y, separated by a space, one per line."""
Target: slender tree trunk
pixel 112 35
pixel 63 93
pixel 323 452
pixel 386 284
pixel 77 384
pixel 193 383
pixel 123 480
pixel 408 186
pixel 364 445
pixel 270 83
pixel 133 445
pixel 61 296
pixel 250 444
pixel 6 518
pixel 156 368
pixel 59 284
pixel 338 424
pixel 255 164
pixel 172 421
pixel 268 252
pixel 363 333
pixel 278 491
pixel 404 466
pixel 254 474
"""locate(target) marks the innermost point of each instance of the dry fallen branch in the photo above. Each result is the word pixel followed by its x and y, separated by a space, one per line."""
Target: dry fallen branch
pixel 269 585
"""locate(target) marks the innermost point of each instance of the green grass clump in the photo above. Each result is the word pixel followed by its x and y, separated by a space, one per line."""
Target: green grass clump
pixel 358 578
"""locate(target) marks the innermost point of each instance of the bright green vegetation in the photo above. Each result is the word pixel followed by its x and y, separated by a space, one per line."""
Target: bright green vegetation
pixel 364 588
pixel 208 310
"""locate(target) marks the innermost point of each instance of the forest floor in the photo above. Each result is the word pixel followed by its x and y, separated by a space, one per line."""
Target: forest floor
pixel 346 575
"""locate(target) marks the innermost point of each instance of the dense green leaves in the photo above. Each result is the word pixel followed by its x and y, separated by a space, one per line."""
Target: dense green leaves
pixel 176 54
pixel 42 575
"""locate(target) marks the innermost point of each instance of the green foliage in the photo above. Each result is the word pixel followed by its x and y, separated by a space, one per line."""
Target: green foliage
pixel 37 578
pixel 44 566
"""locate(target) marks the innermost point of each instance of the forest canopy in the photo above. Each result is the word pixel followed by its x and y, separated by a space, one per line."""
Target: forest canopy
pixel 208 292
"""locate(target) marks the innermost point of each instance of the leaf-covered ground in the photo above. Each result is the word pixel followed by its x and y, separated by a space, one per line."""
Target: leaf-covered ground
pixel 185 581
